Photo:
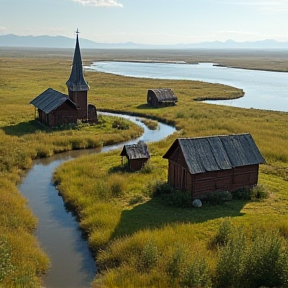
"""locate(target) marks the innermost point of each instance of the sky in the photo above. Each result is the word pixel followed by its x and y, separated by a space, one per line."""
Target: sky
pixel 148 21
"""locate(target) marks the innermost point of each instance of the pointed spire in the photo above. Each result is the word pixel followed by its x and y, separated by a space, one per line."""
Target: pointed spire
pixel 76 82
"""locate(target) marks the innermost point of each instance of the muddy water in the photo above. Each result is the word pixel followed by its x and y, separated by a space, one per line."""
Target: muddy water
pixel 58 233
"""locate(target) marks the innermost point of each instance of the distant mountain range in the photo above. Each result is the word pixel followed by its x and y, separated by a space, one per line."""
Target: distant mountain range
pixel 44 41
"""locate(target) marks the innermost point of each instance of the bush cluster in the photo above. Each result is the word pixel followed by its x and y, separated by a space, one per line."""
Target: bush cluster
pixel 120 124
pixel 218 197
pixel 255 193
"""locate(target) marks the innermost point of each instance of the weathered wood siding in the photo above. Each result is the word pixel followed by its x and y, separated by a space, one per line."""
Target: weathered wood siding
pixel 152 99
pixel 136 164
pixel 204 183
pixel 64 114
pixel 92 114
pixel 80 98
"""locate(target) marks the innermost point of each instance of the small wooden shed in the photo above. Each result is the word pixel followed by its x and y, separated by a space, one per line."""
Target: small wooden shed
pixel 136 154
pixel 217 163
pixel 55 108
pixel 161 97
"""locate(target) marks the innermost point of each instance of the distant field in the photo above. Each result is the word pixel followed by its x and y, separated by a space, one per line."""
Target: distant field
pixel 274 60
pixel 143 241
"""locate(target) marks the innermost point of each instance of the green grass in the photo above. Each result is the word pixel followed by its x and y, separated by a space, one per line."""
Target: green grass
pixel 115 207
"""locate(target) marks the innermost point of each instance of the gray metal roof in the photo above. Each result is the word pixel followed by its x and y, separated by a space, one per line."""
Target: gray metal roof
pixel 217 152
pixel 76 82
pixel 50 99
pixel 164 94
pixel 136 151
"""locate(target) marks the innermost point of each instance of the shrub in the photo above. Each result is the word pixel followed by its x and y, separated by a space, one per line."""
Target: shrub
pixel 257 261
pixel 175 265
pixel 255 193
pixel 180 199
pixel 148 257
pixel 147 168
pixel 223 235
pixel 196 274
pixel 242 194
pixel 259 192
pixel 157 188
pixel 218 197
pixel 120 124
pixel 230 261
pixel 117 185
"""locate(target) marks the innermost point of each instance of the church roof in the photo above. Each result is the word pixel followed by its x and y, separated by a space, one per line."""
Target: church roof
pixel 50 99
pixel 76 82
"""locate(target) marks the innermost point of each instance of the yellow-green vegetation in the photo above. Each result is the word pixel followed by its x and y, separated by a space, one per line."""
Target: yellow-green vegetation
pixel 22 139
pixel 151 124
pixel 138 240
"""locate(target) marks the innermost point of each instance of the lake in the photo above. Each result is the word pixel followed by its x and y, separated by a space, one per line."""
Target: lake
pixel 263 89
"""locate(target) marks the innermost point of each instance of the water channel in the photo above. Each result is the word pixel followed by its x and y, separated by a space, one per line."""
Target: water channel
pixel 263 89
pixel 72 265
pixel 58 231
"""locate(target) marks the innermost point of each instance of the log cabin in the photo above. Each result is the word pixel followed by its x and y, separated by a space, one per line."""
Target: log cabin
pixel 205 165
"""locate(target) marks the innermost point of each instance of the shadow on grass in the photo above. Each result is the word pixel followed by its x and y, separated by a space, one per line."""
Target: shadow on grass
pixel 154 214
pixel 23 128
pixel 145 106
pixel 119 168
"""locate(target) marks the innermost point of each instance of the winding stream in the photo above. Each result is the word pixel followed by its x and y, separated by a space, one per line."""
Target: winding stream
pixel 72 265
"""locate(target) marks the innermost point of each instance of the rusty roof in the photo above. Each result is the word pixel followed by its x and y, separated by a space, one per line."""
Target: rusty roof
pixel 76 81
pixel 136 151
pixel 164 94
pixel 214 153
pixel 50 99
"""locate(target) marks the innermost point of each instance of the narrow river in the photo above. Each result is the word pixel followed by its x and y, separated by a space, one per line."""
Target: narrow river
pixel 72 265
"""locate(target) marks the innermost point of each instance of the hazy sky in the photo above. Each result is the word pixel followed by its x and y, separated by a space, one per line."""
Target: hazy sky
pixel 148 21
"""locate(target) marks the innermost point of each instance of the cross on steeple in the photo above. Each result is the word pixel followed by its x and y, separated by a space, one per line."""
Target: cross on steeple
pixel 77 31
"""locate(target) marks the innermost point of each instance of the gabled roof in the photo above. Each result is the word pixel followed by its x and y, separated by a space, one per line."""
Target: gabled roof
pixel 76 82
pixel 164 94
pixel 50 99
pixel 217 152
pixel 136 151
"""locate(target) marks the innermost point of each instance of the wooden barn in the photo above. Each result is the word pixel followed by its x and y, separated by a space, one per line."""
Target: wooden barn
pixel 136 154
pixel 216 163
pixel 161 97
pixel 54 108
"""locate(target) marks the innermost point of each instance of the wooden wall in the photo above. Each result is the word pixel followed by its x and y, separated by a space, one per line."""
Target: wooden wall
pixel 201 184
pixel 136 164
pixel 80 99
pixel 64 114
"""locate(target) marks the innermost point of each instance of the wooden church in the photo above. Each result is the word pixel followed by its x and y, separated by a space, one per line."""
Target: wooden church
pixel 54 108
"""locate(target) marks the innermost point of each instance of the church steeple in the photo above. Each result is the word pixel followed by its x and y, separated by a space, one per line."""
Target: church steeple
pixel 76 82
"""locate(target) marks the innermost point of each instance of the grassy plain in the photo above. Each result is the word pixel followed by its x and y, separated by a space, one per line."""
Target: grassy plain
pixel 116 208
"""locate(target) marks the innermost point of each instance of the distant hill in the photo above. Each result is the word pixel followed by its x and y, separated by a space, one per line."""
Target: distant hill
pixel 44 41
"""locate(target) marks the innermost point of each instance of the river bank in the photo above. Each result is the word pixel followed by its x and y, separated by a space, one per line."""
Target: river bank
pixel 261 89
pixel 256 59
pixel 58 232
pixel 22 141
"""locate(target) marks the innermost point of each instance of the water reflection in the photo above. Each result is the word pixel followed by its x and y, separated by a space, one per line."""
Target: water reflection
pixel 263 89
pixel 58 230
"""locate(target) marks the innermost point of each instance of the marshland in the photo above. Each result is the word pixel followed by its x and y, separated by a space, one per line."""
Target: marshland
pixel 140 235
